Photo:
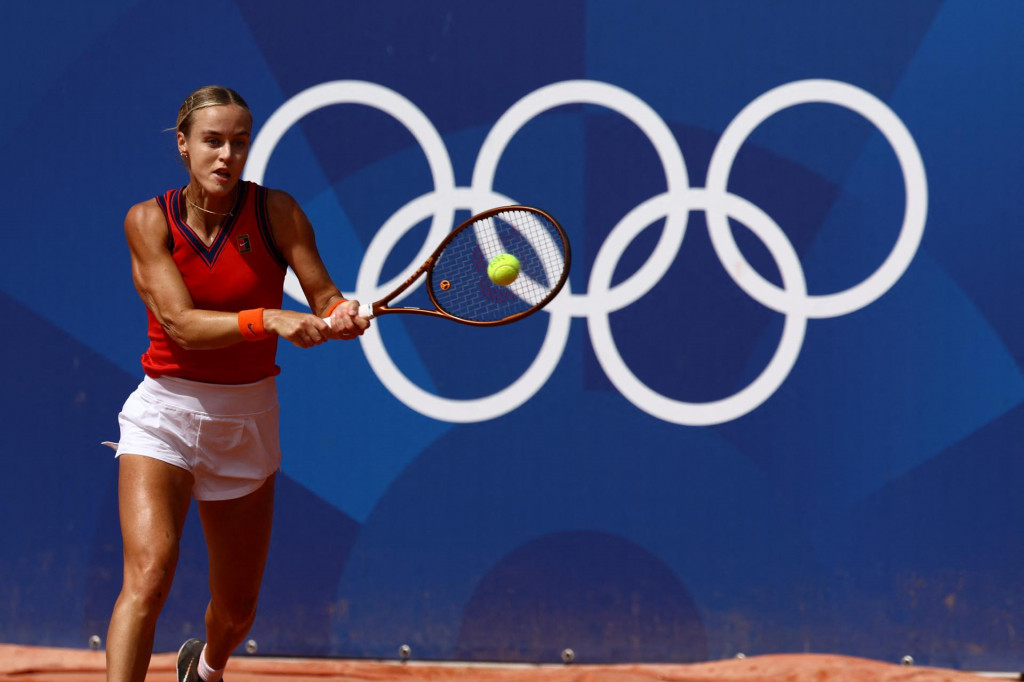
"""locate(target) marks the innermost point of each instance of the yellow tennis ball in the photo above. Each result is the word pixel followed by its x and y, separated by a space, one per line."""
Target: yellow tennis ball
pixel 503 269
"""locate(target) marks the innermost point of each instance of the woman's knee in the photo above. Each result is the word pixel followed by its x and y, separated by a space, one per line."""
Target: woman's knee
pixel 148 579
pixel 235 617
pixel 242 622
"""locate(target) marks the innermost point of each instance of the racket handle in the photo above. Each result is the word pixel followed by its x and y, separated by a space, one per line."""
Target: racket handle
pixel 365 310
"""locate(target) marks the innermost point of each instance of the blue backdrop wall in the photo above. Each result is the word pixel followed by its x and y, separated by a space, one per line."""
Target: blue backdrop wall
pixel 777 409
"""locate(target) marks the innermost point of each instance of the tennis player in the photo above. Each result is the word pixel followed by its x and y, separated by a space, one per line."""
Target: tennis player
pixel 209 262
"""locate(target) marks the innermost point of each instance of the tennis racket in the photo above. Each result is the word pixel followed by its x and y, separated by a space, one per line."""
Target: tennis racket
pixel 457 281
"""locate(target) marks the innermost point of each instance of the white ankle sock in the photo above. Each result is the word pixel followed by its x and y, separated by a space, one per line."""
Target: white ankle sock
pixel 206 672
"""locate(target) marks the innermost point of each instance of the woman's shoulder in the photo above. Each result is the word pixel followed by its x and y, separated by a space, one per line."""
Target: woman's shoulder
pixel 279 197
pixel 283 207
pixel 154 205
pixel 146 217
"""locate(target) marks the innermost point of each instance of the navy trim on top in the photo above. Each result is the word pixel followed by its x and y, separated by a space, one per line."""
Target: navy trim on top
pixel 211 253
pixel 262 204
pixel 162 202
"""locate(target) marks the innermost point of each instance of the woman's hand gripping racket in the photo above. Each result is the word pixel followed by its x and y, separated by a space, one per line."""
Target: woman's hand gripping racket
pixel 497 267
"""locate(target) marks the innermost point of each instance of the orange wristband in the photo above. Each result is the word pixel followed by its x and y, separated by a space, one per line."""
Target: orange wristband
pixel 336 304
pixel 250 323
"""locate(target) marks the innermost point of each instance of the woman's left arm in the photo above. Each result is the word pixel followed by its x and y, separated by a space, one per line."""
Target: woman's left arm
pixel 297 242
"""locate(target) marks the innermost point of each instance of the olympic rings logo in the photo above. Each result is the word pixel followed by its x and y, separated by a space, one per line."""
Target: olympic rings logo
pixel 674 206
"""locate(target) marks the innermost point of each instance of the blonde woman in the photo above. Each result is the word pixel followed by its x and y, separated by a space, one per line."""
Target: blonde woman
pixel 209 261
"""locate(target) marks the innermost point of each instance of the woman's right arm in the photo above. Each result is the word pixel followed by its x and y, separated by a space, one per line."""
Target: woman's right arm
pixel 162 289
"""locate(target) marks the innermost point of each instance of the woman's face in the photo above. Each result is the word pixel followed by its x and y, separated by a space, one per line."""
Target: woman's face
pixel 217 146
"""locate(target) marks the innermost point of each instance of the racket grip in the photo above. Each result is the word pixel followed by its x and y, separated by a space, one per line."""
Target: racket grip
pixel 365 310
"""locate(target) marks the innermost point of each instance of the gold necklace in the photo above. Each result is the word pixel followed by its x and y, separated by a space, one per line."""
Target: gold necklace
pixel 204 210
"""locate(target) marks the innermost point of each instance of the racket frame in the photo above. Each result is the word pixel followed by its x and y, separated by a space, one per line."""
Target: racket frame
pixel 380 307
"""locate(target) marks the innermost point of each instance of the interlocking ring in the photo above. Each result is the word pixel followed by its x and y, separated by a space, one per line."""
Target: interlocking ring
pixel 674 206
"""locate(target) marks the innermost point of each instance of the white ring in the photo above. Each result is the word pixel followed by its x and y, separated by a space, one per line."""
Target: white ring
pixel 640 114
pixel 745 400
pixel 874 110
pixel 412 395
pixel 372 95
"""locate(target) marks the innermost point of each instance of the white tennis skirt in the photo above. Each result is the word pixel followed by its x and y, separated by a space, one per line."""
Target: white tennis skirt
pixel 227 436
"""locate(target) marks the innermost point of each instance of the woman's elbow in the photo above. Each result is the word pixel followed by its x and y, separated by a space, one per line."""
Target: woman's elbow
pixel 176 334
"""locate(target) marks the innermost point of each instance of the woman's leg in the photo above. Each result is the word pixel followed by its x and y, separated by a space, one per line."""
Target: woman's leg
pixel 153 498
pixel 237 540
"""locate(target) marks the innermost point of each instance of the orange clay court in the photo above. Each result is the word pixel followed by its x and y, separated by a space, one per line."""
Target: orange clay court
pixel 41 664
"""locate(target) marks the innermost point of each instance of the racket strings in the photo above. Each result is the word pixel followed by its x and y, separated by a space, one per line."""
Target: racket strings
pixel 459 281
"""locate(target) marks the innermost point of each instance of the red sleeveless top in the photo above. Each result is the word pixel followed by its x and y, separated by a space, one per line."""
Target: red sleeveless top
pixel 242 269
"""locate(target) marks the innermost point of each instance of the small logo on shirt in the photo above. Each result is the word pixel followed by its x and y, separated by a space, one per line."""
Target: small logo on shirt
pixel 243 244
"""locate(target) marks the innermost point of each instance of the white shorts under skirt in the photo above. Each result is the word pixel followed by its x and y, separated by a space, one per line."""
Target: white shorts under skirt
pixel 227 436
